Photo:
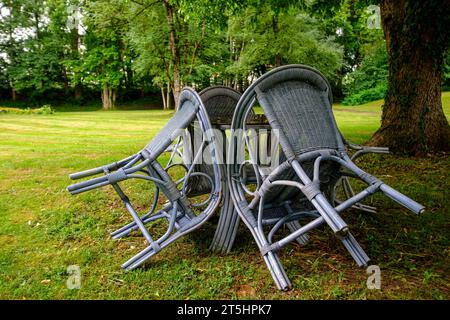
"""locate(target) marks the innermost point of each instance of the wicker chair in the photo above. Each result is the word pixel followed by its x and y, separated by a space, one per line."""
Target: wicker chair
pixel 220 102
pixel 182 213
pixel 296 101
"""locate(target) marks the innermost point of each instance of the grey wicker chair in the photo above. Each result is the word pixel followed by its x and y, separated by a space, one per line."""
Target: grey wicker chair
pixel 296 101
pixel 182 213
pixel 220 102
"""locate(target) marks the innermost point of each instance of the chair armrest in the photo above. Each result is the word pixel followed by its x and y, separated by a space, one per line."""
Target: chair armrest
pixel 369 149
pixel 361 150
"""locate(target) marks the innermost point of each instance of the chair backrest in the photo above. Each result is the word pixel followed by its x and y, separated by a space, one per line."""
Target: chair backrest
pixel 297 100
pixel 220 102
pixel 188 106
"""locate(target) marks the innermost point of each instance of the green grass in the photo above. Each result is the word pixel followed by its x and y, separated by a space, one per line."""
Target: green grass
pixel 43 229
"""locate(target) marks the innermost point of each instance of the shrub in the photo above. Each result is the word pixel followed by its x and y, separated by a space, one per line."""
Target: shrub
pixel 366 95
pixel 369 81
pixel 45 109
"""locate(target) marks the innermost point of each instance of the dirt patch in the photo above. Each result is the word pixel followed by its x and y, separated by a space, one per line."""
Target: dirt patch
pixel 246 290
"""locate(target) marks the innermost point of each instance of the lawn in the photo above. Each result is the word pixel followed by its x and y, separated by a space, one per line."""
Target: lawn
pixel 43 229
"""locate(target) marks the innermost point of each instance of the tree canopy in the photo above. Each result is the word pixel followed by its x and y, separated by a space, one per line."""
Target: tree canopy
pixel 79 50
pixel 123 47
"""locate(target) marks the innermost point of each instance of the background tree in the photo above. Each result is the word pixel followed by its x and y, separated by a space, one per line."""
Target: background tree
pixel 10 42
pixel 148 36
pixel 178 42
pixel 35 47
pixel 417 37
pixel 346 20
pixel 368 82
pixel 55 50
pixel 296 38
pixel 105 63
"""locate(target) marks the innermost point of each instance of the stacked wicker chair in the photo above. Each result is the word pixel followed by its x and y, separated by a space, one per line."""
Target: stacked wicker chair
pixel 220 103
pixel 296 101
pixel 181 212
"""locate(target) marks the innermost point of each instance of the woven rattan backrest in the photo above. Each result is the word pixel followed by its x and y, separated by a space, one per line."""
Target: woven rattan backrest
pixel 296 101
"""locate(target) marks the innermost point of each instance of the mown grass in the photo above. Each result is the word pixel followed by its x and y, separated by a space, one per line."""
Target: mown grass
pixel 43 229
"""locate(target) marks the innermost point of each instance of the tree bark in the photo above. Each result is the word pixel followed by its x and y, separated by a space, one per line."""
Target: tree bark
pixel 168 96
pixel 75 54
pixel 108 98
pixel 78 92
pixel 275 29
pixel 163 94
pixel 175 50
pixel 417 36
pixel 12 49
pixel 66 81
pixel 13 93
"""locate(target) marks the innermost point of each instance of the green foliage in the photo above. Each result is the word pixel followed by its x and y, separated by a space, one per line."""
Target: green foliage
pixel 72 48
pixel 101 65
pixel 446 73
pixel 38 64
pixel 45 110
pixel 121 46
pixel 264 38
pixel 347 20
pixel 148 37
pixel 366 95
pixel 369 81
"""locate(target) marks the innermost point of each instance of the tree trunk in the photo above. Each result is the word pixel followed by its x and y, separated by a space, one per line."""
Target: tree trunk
pixel 66 81
pixel 75 54
pixel 168 96
pixel 78 92
pixel 108 98
pixel 13 93
pixel 176 86
pixel 113 98
pixel 417 36
pixel 163 94
pixel 105 100
pixel 175 50
pixel 275 29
